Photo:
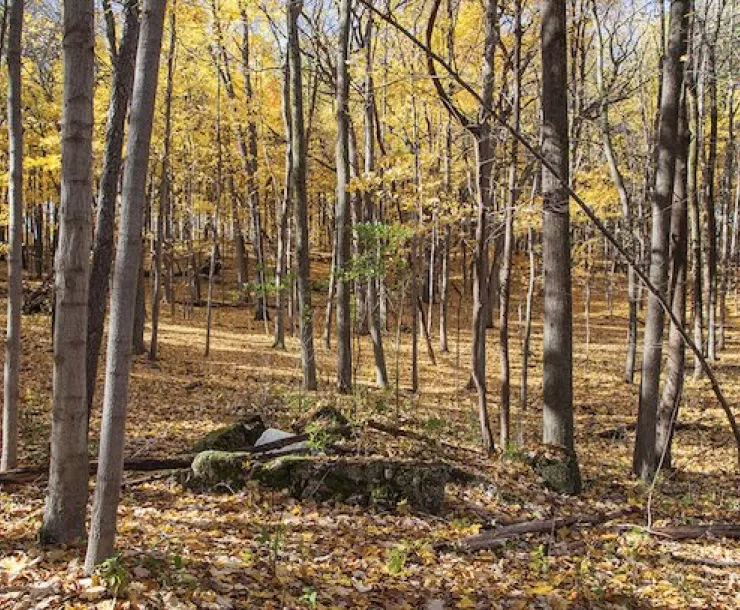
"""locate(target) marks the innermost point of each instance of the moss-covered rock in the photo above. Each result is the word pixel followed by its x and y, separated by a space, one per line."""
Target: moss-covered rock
pixel 379 483
pixel 219 471
pixel 240 435
pixel 326 424
pixel 558 467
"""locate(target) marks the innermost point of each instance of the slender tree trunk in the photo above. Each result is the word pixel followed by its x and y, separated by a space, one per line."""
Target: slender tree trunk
pixel 298 183
pixel 284 214
pixel 695 217
pixel 372 216
pixel 118 364
pixel 645 458
pixel 557 367
pixel 11 387
pixel 102 258
pixel 261 311
pixel 342 225
pixel 710 269
pixel 624 198
pixel 674 374
pixel 507 252
pixel 66 500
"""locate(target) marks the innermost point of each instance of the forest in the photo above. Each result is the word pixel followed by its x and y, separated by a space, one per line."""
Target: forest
pixel 370 304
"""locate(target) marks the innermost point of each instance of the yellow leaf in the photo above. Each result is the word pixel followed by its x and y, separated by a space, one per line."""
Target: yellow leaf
pixel 541 588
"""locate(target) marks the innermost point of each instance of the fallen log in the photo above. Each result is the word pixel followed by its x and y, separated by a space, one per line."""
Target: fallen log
pixel 23 476
pixel 490 539
pixel 692 532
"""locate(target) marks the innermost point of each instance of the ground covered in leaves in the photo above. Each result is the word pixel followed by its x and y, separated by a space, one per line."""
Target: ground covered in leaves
pixel 259 548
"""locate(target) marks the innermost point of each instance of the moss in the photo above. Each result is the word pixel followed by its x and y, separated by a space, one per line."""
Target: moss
pixel 378 483
pixel 240 435
pixel 558 467
pixel 218 471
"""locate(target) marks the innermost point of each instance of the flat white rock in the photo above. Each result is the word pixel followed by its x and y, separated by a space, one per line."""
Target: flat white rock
pixel 272 435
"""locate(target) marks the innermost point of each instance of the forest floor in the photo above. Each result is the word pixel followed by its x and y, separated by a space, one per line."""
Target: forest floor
pixel 262 549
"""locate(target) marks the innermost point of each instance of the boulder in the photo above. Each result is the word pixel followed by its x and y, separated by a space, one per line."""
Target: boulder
pixel 380 483
pixel 219 471
pixel 558 468
pixel 240 435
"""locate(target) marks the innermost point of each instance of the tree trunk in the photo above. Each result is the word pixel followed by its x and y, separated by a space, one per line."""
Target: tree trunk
pixel 372 216
pixel 645 458
pixel 341 224
pixel 66 501
pixel 11 387
pixel 298 183
pixel 557 367
pixel 674 374
pixel 708 176
pixel 102 257
pixel 284 215
pixel 505 270
pixel 118 362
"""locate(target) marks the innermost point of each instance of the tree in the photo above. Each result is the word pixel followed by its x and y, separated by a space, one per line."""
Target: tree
pixel 645 458
pixel 341 221
pixel 481 132
pixel 674 375
pixel 66 500
pixel 11 387
pixel 102 258
pixel 123 298
pixel 300 199
pixel 557 363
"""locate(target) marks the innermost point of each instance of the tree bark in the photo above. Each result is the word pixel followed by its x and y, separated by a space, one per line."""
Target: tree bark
pixel 66 501
pixel 342 216
pixel 298 184
pixel 11 385
pixel 118 363
pixel 674 374
pixel 645 458
pixel 557 367
pixel 102 257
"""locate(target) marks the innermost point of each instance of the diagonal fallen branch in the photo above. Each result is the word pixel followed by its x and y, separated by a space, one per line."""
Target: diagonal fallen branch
pixel 493 538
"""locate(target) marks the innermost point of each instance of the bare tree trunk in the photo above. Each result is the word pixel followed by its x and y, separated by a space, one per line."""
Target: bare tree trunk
pixel 298 182
pixel 624 198
pixel 372 216
pixel 507 252
pixel 557 367
pixel 674 374
pixel 708 176
pixel 645 458
pixel 118 365
pixel 261 311
pixel 695 216
pixel 11 386
pixel 66 500
pixel 342 225
pixel 284 215
pixel 102 257
pixel 164 196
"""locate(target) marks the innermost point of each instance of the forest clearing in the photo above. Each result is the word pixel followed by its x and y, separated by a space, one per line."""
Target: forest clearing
pixel 370 304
